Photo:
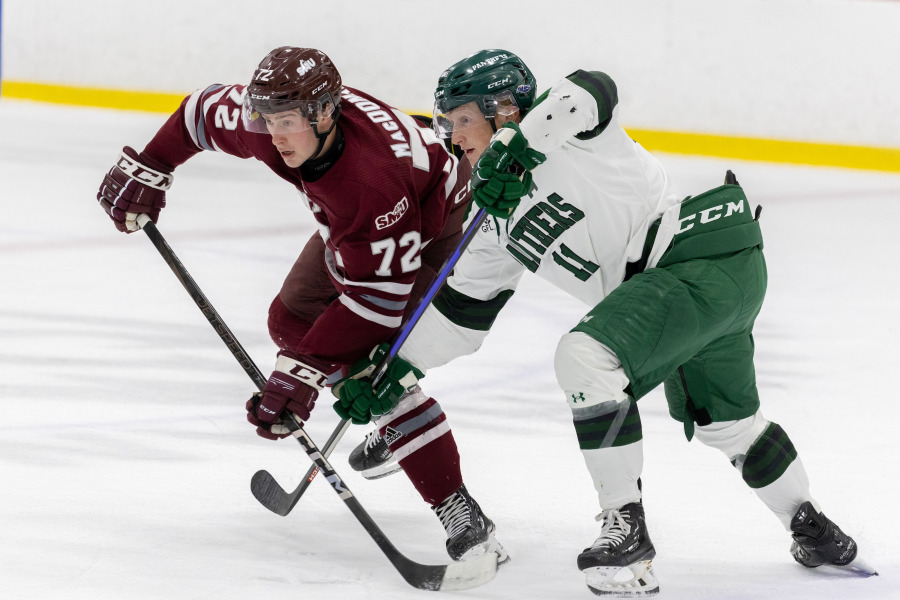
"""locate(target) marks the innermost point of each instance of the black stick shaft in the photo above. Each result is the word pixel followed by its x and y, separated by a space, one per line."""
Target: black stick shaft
pixel 264 487
pixel 201 301
pixel 426 577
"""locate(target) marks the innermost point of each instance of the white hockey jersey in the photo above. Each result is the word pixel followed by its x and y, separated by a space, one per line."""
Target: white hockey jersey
pixel 588 215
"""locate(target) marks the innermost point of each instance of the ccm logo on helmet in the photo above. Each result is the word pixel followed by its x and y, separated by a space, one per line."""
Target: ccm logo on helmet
pixel 503 81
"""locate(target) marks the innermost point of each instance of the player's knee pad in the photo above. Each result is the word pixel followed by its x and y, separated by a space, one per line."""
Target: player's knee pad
pixel 588 372
pixel 286 328
pixel 416 421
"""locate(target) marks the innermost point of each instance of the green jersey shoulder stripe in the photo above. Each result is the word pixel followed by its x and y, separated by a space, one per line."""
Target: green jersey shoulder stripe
pixel 604 91
pixel 468 312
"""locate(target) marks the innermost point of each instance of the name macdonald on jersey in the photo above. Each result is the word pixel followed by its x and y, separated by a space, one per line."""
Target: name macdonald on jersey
pixel 377 114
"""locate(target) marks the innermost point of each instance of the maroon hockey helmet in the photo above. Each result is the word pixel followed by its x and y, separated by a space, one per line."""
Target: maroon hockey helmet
pixel 290 78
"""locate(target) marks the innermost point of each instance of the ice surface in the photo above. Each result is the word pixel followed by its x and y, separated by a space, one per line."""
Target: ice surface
pixel 126 460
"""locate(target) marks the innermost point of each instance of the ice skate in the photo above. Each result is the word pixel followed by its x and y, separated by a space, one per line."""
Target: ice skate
pixel 469 532
pixel 372 457
pixel 618 564
pixel 819 541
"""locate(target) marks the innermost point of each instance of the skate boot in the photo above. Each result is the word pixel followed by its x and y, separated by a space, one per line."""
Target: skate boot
pixel 618 562
pixel 818 541
pixel 469 532
pixel 372 458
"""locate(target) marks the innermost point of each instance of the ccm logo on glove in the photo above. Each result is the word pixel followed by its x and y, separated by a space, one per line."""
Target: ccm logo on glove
pixel 290 392
pixel 144 174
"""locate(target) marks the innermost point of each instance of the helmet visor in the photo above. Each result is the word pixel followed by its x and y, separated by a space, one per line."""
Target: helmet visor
pixel 263 116
pixel 470 111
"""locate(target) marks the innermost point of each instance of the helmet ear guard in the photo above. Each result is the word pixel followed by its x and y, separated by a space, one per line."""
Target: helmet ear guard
pixel 502 104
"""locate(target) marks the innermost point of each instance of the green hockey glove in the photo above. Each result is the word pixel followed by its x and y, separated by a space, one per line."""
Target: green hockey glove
pixel 359 402
pixel 502 174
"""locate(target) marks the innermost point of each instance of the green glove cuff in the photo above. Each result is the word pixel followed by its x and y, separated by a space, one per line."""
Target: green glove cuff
pixel 358 402
pixel 363 368
pixel 517 145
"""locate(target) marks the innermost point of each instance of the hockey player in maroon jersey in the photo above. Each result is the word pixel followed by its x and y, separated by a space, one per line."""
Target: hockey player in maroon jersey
pixel 389 201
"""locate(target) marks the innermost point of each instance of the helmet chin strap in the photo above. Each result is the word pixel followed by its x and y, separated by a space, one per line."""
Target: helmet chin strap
pixel 323 137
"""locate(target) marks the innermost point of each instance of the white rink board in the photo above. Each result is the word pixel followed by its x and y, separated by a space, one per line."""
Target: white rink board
pixel 805 70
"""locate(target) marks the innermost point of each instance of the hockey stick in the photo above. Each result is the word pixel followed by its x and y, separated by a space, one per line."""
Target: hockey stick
pixel 263 485
pixel 460 575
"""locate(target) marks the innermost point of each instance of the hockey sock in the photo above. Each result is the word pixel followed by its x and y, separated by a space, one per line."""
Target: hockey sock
pixel 784 495
pixel 611 440
pixel 419 435
pixel 775 472
pixel 767 458
pixel 607 425
pixel 615 473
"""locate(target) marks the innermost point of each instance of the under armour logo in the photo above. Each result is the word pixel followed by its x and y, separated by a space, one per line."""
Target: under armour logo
pixel 580 397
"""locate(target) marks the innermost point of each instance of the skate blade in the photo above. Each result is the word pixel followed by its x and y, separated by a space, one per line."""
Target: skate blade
pixel 858 567
pixel 634 581
pixel 383 470
pixel 491 546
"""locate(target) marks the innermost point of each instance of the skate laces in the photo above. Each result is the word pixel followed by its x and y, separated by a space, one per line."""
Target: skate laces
pixel 372 440
pixel 615 528
pixel 454 513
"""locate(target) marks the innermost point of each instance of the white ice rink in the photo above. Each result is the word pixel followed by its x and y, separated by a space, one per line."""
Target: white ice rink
pixel 125 457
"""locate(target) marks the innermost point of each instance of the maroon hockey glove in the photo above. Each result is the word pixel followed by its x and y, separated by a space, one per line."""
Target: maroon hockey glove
pixel 132 187
pixel 292 388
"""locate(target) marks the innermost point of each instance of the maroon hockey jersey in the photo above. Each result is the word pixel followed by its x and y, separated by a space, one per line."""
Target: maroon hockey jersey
pixel 385 199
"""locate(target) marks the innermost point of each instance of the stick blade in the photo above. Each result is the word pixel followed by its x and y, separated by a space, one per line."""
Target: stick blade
pixel 270 494
pixel 461 575
pixel 468 574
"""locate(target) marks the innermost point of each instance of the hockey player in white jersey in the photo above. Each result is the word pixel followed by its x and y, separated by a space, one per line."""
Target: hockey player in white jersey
pixel 673 284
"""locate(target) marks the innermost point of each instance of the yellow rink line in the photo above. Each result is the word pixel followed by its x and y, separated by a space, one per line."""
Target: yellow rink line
pixel 700 144
pixel 96 97
pixel 780 151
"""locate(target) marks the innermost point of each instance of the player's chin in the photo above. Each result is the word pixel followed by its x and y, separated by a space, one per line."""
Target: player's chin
pixel 291 158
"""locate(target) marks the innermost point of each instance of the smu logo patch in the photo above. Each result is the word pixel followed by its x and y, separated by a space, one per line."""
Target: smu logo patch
pixel 305 66
pixel 386 220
